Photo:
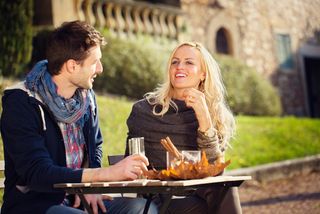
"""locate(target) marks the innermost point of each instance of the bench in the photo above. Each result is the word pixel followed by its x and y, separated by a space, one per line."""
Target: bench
pixel 113 159
pixel 2 170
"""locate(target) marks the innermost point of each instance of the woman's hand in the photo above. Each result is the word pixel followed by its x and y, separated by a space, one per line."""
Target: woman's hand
pixel 95 201
pixel 196 100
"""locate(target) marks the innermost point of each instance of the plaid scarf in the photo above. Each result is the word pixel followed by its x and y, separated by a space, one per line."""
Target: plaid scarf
pixel 70 114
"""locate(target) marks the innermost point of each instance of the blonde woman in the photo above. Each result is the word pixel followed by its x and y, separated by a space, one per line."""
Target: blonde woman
pixel 190 108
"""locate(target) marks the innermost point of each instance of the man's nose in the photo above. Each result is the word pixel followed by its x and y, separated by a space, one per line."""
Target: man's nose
pixel 99 68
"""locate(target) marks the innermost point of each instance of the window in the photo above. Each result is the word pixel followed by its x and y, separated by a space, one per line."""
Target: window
pixel 223 42
pixel 284 52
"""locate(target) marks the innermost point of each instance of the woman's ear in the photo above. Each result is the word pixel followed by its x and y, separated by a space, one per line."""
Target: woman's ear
pixel 203 76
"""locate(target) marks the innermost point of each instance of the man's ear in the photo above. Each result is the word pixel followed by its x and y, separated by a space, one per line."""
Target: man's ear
pixel 71 65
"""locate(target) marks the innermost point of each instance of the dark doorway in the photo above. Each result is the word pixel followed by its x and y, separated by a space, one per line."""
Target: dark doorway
pixel 312 68
pixel 222 42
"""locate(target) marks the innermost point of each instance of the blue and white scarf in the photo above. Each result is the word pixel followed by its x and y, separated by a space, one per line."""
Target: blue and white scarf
pixel 70 114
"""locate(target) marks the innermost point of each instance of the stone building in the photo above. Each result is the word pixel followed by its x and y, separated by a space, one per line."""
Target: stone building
pixel 280 39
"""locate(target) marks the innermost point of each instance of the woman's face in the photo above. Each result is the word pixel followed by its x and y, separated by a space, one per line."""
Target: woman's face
pixel 185 69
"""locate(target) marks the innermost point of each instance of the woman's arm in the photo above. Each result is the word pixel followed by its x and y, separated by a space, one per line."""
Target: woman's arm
pixel 207 136
pixel 210 143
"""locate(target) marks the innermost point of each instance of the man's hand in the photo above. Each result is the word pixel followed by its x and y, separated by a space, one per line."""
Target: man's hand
pixel 95 201
pixel 129 168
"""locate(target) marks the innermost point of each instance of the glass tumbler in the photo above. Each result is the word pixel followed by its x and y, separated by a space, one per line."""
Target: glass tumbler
pixel 191 156
pixel 136 145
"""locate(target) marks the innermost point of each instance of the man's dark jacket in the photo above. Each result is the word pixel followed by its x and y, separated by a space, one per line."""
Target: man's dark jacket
pixel 34 154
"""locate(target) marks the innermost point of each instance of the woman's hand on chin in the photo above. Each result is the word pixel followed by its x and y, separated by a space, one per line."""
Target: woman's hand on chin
pixel 196 99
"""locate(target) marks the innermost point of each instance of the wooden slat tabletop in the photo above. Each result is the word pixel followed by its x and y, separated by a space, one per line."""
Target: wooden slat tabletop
pixel 146 182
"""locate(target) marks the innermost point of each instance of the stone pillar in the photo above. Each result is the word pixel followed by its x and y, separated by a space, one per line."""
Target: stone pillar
pixel 155 22
pixel 98 13
pixel 138 24
pixel 110 20
pixel 146 21
pixel 129 26
pixel 120 23
pixel 171 25
pixel 163 24
pixel 88 13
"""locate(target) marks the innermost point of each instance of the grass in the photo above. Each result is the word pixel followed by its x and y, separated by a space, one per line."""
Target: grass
pixel 262 140
pixel 113 113
pixel 259 140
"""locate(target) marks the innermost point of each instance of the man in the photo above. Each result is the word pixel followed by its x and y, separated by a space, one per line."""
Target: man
pixel 50 131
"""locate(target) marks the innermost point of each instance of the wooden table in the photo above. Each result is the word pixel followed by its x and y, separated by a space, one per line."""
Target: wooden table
pixel 151 187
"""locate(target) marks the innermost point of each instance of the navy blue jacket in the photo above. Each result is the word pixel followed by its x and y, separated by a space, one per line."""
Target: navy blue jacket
pixel 34 157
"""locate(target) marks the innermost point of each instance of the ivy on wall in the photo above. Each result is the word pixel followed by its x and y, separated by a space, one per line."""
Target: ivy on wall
pixel 16 36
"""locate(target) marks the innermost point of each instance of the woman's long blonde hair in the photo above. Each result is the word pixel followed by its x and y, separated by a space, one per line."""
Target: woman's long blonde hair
pixel 212 87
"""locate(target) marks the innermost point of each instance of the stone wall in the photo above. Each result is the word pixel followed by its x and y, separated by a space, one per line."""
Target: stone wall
pixel 253 25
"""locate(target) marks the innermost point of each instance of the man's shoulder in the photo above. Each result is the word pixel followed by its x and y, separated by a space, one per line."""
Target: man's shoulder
pixel 16 93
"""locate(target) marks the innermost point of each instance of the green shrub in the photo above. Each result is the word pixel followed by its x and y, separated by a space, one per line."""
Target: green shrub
pixel 131 67
pixel 39 43
pixel 248 92
pixel 16 36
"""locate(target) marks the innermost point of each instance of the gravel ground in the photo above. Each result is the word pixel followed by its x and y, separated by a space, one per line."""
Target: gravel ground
pixel 299 194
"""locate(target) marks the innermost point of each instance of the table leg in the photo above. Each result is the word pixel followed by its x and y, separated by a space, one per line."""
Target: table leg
pixel 222 193
pixel 166 198
pixel 148 202
pixel 85 202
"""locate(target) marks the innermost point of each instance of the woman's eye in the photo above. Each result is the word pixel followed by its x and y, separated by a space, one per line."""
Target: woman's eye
pixel 189 62
pixel 174 62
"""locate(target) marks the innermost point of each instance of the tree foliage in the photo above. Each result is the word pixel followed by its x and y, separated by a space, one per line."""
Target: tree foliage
pixel 248 92
pixel 16 35
pixel 131 67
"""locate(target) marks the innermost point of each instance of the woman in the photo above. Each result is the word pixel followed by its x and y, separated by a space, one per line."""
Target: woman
pixel 190 108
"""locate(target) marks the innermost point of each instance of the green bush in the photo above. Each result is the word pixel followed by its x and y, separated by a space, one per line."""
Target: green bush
pixel 39 43
pixel 248 92
pixel 16 36
pixel 131 67
pixel 134 67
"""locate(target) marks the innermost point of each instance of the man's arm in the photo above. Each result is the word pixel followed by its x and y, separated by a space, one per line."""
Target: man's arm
pixel 25 144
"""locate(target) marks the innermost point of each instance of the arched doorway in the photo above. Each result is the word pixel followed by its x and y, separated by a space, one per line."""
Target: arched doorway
pixel 310 64
pixel 223 42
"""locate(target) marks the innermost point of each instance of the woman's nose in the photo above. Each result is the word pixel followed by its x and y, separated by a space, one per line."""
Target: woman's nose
pixel 179 65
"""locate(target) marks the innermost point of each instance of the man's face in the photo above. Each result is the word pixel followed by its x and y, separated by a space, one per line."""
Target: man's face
pixel 88 69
